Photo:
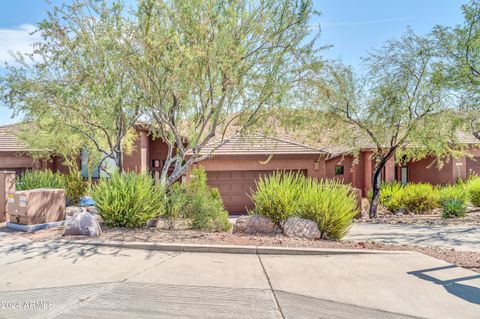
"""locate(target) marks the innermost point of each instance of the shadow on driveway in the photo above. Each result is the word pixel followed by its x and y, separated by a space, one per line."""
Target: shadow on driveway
pixel 465 292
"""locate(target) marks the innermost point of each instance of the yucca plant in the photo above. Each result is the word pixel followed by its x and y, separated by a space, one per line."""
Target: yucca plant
pixel 39 179
pixel 453 207
pixel 128 200
pixel 331 204
pixel 276 195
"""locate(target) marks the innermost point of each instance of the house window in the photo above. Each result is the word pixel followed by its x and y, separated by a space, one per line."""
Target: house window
pixel 339 170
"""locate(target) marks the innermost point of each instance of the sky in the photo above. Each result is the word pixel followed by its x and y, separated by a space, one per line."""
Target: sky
pixel 352 27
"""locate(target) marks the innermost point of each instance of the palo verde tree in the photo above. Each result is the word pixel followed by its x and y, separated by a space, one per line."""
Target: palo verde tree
pixel 459 49
pixel 395 104
pixel 208 69
pixel 76 80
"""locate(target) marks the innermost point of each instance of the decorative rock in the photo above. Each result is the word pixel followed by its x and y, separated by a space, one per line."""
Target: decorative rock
pixel 92 210
pixel 301 228
pixel 71 210
pixel 83 223
pixel 254 225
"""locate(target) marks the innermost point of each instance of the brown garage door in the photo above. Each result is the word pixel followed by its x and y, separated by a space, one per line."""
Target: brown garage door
pixel 473 166
pixel 235 186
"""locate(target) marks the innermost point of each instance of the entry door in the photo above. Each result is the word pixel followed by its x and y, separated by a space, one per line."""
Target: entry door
pixel 404 175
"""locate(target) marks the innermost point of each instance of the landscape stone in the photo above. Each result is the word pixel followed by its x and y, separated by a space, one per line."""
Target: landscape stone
pixel 300 228
pixel 255 225
pixel 85 224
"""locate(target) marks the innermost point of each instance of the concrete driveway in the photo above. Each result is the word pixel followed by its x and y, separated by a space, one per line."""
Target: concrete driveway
pixel 466 238
pixel 57 280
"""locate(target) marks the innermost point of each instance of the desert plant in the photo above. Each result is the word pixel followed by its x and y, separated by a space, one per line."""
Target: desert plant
pixel 331 204
pixel 276 195
pixel 388 195
pixel 75 188
pixel 39 179
pixel 418 198
pixel 453 207
pixel 176 202
pixel 449 192
pixel 473 187
pixel 128 200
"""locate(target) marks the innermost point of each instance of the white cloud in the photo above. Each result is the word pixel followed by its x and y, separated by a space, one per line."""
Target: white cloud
pixel 16 40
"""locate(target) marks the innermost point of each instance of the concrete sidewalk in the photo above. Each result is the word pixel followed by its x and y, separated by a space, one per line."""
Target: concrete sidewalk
pixel 59 280
pixel 466 238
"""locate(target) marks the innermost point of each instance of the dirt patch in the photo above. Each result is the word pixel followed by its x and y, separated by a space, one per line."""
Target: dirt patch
pixel 470 260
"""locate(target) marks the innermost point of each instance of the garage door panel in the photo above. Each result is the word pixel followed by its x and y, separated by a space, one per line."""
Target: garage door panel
pixel 236 186
pixel 473 166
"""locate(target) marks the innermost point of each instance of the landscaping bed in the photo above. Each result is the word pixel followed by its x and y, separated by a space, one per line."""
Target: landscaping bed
pixel 470 260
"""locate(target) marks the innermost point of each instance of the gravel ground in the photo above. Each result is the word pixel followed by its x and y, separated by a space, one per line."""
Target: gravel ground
pixel 470 260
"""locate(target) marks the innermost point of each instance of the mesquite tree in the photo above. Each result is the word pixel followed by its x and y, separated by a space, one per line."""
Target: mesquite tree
pixel 395 104
pixel 459 49
pixel 76 79
pixel 208 69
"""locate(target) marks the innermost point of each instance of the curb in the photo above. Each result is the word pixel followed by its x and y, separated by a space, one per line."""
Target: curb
pixel 229 249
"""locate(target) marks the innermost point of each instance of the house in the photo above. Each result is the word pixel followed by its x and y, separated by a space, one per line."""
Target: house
pixel 236 164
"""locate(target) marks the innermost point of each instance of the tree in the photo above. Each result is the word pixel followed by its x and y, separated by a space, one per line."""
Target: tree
pixel 459 48
pixel 209 67
pixel 76 82
pixel 395 105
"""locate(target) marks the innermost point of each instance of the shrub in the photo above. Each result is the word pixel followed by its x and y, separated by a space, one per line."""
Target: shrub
pixel 418 198
pixel 128 200
pixel 276 195
pixel 473 187
pixel 204 205
pixel 388 195
pixel 39 179
pixel 453 207
pixel 75 188
pixel 450 192
pixel 177 199
pixel 330 204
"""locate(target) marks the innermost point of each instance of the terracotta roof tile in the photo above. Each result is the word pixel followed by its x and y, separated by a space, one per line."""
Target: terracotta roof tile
pixel 8 141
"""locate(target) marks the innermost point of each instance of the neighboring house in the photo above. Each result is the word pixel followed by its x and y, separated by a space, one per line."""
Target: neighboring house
pixel 14 154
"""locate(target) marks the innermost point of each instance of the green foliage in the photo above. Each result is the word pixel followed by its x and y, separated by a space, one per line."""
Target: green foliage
pixel 331 204
pixel 128 200
pixel 39 179
pixel 199 203
pixel 450 192
pixel 418 198
pixel 473 187
pixel 389 195
pixel 453 207
pixel 75 187
pixel 276 195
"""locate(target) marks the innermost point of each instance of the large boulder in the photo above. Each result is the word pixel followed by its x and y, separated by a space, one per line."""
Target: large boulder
pixel 254 225
pixel 85 224
pixel 301 228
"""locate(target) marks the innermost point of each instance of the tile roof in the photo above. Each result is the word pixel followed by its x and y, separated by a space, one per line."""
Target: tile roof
pixel 8 140
pixel 258 145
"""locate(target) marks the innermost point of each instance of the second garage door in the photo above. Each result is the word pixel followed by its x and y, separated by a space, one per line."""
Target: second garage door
pixel 235 187
pixel 473 165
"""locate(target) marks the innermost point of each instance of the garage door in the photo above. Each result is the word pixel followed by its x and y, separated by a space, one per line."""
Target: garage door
pixel 473 166
pixel 235 187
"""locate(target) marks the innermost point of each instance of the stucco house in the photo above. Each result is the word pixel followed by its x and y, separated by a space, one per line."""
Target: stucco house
pixel 235 165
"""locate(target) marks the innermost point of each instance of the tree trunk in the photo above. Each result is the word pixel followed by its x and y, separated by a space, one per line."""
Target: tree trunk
pixel 376 190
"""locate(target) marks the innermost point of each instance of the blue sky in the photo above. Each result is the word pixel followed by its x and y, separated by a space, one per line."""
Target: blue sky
pixel 353 27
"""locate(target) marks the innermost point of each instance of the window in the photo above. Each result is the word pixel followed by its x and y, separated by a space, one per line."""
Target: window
pixel 339 170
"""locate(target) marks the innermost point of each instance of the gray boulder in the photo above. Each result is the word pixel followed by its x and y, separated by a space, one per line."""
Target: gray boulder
pixel 301 228
pixel 84 224
pixel 71 210
pixel 254 225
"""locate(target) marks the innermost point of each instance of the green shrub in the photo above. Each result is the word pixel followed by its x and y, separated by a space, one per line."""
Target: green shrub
pixel 177 199
pixel 473 187
pixel 449 192
pixel 204 205
pixel 418 198
pixel 276 195
pixel 453 207
pixel 39 179
pixel 128 200
pixel 330 204
pixel 75 188
pixel 388 195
